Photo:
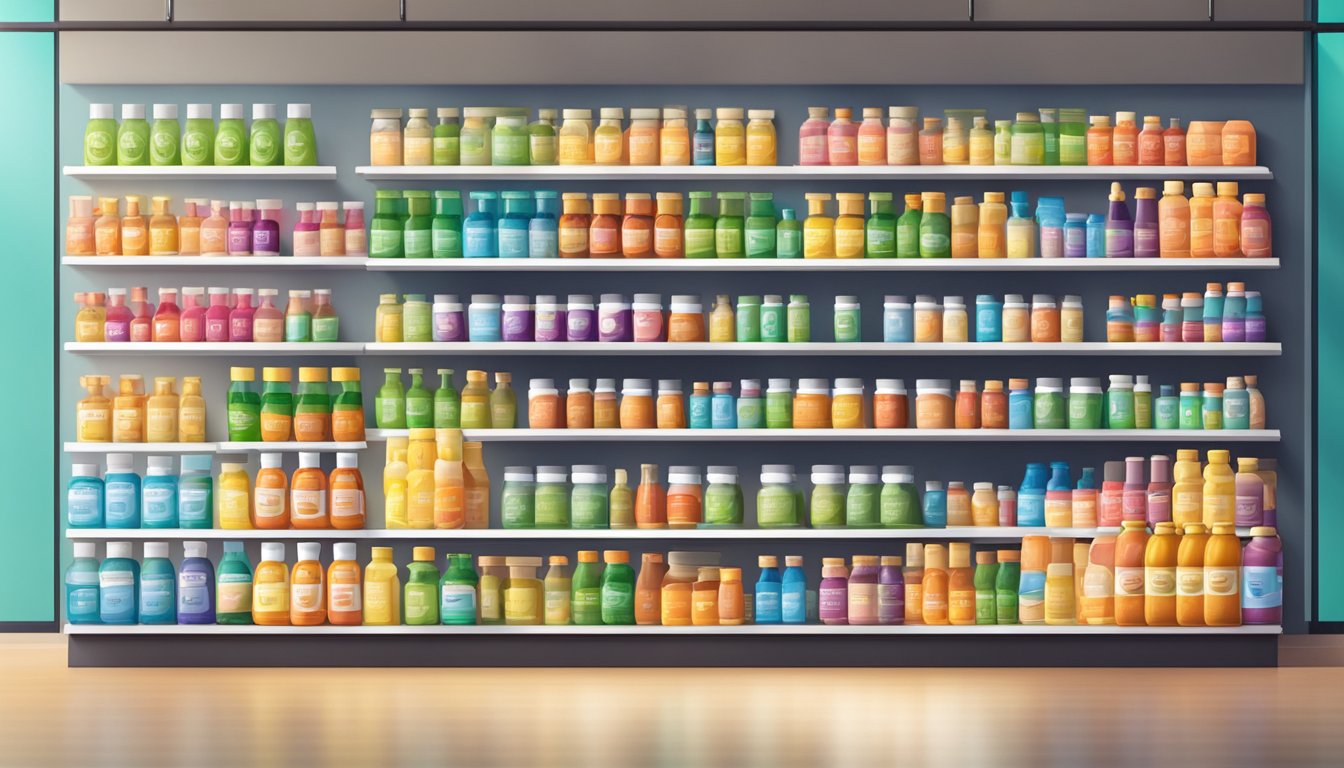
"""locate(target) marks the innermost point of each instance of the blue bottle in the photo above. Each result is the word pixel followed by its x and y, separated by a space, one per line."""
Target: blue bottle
pixel 158 586
pixel 1050 218
pixel 700 417
pixel 935 505
pixel 121 492
pixel 196 492
pixel 81 585
pixel 793 592
pixel 118 577
pixel 195 586
pixel 478 230
pixel 1096 236
pixel 768 588
pixel 722 408
pixel 513 226
pixel 1236 404
pixel 543 231
pixel 84 497
pixel 702 142
pixel 988 318
pixel 159 496
pixel 1031 496
pixel 1167 408
pixel 1059 481
pixel 898 320
pixel 1021 405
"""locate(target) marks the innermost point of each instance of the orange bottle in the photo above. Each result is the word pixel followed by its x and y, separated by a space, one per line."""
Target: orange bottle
pixel 347 423
pixel 671 406
pixel 667 227
pixel 107 227
pixel 1173 221
pixel 345 604
pixel 579 405
pixel 637 411
pixel 346 501
pixel 604 229
pixel 1130 546
pixel 543 404
pixel 449 480
pixel 1099 582
pixel 1227 222
pixel 276 423
pixel 270 587
pixel 307 604
pixel 685 504
pixel 1151 148
pixel 573 225
pixel 650 500
pixel 1190 576
pixel 1204 143
pixel 1238 143
pixel 1222 577
pixel 730 597
pixel 935 585
pixel 967 414
pixel 637 226
pixel 960 585
pixel 476 488
pixel 1099 135
pixel 993 406
pixel 308 494
pixel 1125 140
pixel 134 230
pixel 606 414
pixel 1201 220
pixel 705 598
pixel 1173 143
pixel 648 589
pixel 1159 576
pixel 270 501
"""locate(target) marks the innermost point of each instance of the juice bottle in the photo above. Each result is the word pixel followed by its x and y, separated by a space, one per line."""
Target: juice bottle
pixel 346 502
pixel 812 138
pixel 1099 141
pixel 934 585
pixel 1125 140
pixel 162 229
pixel 244 406
pixel 189 226
pixel 347 411
pixel 1099 582
pixel 79 227
pixel 476 402
pixel 298 319
pixel 930 142
pixel 1007 583
pixel 992 227
pixel 270 500
pixel 961 598
pixel 1219 491
pixel 167 319
pixel 158 598
pixel 449 480
pixel 1159 573
pixel 107 227
pixel 1262 578
pixel 191 412
pixel 1173 143
pixel 1222 577
pixel 880 229
pixel 268 323
pixel 848 229
pixel 307 598
pixel 608 142
pixel 308 494
pixel 1227 222
pixel 191 322
pixel 134 230
pixel 421 593
pixel 1151 145
pixel 1130 548
pixel 128 410
pixel 1202 236
pixel 93 413
pixel 1187 493
pixel 277 405
pixel 586 590
pixel 965 223
pixel 420 456
pixel 161 412
pixel 235 498
pixel 648 589
pixel 312 410
pixel 1031 584
pixel 524 599
pixel 476 488
pixel 382 590
pixel 556 589
pixel 621 504
pixel 214 231
pixel 674 139
pixel 1190 575
pixel 1250 502
pixel 902 137
pixel 617 588
pixel 233 586
pixel 762 144
pixel 793 591
pixel 842 139
pixel 986 601
pixel 345 603
pixel 142 324
pixel 270 587
pixel 872 138
pixel 650 499
pixel 981 142
pixel 1173 213
pixel 818 228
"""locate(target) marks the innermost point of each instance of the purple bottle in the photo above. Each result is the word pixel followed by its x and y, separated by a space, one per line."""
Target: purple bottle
pixel 195 586
pixel 548 319
pixel 890 592
pixel 1145 223
pixel 1262 578
pixel 518 320
pixel 615 319
pixel 1255 317
pixel 266 230
pixel 1134 498
pixel 449 323
pixel 833 599
pixel 1159 491
pixel 580 318
pixel 1119 226
pixel 239 237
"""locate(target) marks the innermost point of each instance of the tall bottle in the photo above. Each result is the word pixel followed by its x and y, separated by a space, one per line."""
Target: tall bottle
pixel 1222 577
pixel 1173 215
pixel 1119 225
pixel 1159 575
pixel 1190 575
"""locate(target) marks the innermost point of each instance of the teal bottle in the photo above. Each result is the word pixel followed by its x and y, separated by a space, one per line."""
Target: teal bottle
pixel 789 235
pixel 133 136
pixel 81 585
pixel 158 586
pixel 419 402
pixel 457 592
pixel 233 586
pixel 793 592
pixel 159 494
pixel 196 492
pixel 761 226
pixel 702 141
pixel 618 589
pixel 513 225
pixel 480 239
pixel 118 581
pixel 880 229
pixel 447 403
pixel 446 228
pixel 85 497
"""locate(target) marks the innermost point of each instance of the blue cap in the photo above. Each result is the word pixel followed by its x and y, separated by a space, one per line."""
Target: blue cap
pixel 1020 196
pixel 197 462
pixel 1095 218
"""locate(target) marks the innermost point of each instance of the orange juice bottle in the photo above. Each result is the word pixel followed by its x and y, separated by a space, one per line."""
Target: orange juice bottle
pixel 107 227
pixel 382 589
pixel 449 483
pixel 1222 577
pixel 1099 137
pixel 935 587
pixel 346 501
pixel 960 585
pixel 1099 582
pixel 420 479
pixel 277 410
pixel 1130 547
pixel 1201 220
pixel 1220 490
pixel 1173 217
pixel 270 500
pixel 307 603
pixel 270 587
pixel 128 410
pixel 1190 576
pixel 1035 559
pixel 650 499
pixel 476 489
pixel 1125 140
pixel 134 230
pixel 648 589
pixel 1227 222
pixel 345 604
pixel 308 494
pixel 992 227
pixel 1159 576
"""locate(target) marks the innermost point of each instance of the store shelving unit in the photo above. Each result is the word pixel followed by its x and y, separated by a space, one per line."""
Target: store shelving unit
pixel 220 262
pixel 203 172
pixel 856 435
pixel 231 348
pixel 213 447
pixel 820 348
pixel 818 173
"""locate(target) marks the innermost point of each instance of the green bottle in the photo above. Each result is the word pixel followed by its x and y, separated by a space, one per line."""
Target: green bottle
pixel 446 228
pixel 314 396
pixel 385 230
pixel 348 407
pixel 543 140
pixel 419 402
pixel 799 319
pixel 244 406
pixel 300 140
pixel 389 405
pixel 415 239
pixel 986 595
pixel 447 403
pixel 618 588
pixel 761 226
pixel 416 318
pixel 699 228
pixel 165 136
pixel 907 228
pixel 277 400
pixel 231 138
pixel 880 230
pixel 503 403
pixel 585 590
pixel 233 585
pixel 100 136
pixel 1006 586
pixel 457 592
pixel 789 235
pixel 198 139
pixel 263 146
pixel 729 237
pixel 133 136
pixel 935 229
pixel 420 596
pixel 446 144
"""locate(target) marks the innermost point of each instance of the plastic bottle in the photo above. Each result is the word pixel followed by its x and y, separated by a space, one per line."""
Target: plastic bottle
pixel 307 587
pixel 82 601
pixel 308 494
pixel 158 586
pixel 930 142
pixel 842 139
pixel 101 135
pixel 1099 141
pixel 1160 562
pixel 1227 222
pixel 1007 580
pixel 812 142
pixel 1262 578
pixel 265 145
pixel 935 229
pixel 1202 227
pixel 617 589
pixel 271 587
pixel 793 591
pixel 961 592
pixel 1219 491
pixel 118 585
pixel 1222 577
pixel 382 590
pixel 347 503
pixel 198 138
pixel 1173 221
pixel 420 595
pixel 934 585
pixel 556 589
pixel 457 592
pixel 159 495
pixel 233 586
pixel 586 590
pixel 1035 559
pixel 818 228
pixel 300 139
pixel 1130 548
pixel 344 600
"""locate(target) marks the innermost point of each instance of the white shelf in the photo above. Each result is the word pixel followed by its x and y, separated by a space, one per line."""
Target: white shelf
pixel 290 447
pixel 235 348
pixel 801 172
pixel 247 262
pixel 240 172
pixel 141 447
pixel 1099 348
pixel 746 629
pixel 854 435
pixel 810 265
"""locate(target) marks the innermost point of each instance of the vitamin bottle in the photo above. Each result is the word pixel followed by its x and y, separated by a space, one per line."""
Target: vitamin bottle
pixel 761 140
pixel 575 137
pixel 880 229
pixel 872 138
pixel 667 226
pixel 818 228
pixel 729 229
pixel 842 139
pixel 604 228
pixel 1125 140
pixel 1256 242
pixel 674 139
pixel 965 222
pixel 270 499
pixel 848 227
pixel 935 229
pixel 1227 216
pixel 1173 221
pixel 931 142
pixel 608 137
pixel 1099 141
pixel 812 140
pixel 1202 235
pixel 961 596
pixel 1173 143
pixel 1238 140
pixel 902 136
pixel 954 142
pixel 574 223
pixel 702 142
pixel 730 141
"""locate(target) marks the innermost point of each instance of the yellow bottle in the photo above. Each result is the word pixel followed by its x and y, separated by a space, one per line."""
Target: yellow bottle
pixel 394 484
pixel 270 587
pixel 849 230
pixel 93 414
pixel 382 590
pixel 476 496
pixel 235 497
pixel 475 402
pixel 1187 491
pixel 91 319
pixel 992 228
pixel 622 504
pixel 134 230
pixel 1159 576
pixel 730 137
pixel 722 322
pixel 191 412
pixel 965 225
pixel 608 140
pixel 1227 222
pixel 576 137
pixel 1173 217
pixel 1201 220
pixel 1220 490
pixel 161 411
pixel 162 228
pixel 762 144
pixel 449 484
pixel 818 229
pixel 420 456
pixel 981 142
pixel 1190 576
pixel 128 410
pixel 1060 598
pixel 387 319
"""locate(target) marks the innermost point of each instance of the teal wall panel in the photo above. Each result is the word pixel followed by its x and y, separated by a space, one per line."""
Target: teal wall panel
pixel 27 10
pixel 1330 325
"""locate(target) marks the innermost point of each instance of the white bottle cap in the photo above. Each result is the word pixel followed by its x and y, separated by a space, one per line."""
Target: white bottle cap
pixel 118 548
pixel 273 551
pixel 344 550
pixel 230 111
pixel 517 474
pixel 270 204
pixel 199 112
pixel 669 385
pixel 160 465
pixel 721 474
pixel 606 385
pixel 165 111
pixel 578 385
pixel 84 470
pixel 271 460
pixel 132 111
pixel 193 549
pixel 309 550
pixel 347 460
pixel 85 549
pixel 352 205
pixel 779 385
pixel 299 111
pixel 263 111
pixel 310 460
pixel 100 111
pixel 119 462
pixel 156 549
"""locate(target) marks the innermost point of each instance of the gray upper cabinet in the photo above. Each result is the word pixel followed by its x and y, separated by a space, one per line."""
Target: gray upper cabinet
pixel 286 10
pixel 1260 10
pixel 113 10
pixel 1093 10
pixel 707 12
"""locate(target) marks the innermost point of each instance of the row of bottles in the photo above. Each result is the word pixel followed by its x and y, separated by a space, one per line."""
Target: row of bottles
pixel 227 315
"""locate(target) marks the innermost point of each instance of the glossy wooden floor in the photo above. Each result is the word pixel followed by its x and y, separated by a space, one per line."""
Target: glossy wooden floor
pixel 51 715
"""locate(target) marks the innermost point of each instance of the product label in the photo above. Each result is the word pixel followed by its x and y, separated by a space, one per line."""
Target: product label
pixel 378 602
pixel 520 604
pixel 573 241
pixel 1262 587
pixel 445 150
pixel 84 505
pixel 269 502
pixel 1031 596
pixel 849 243
pixel 789 242
pixel 346 597
pixel 419 603
pixel 160 505
pixel 156 596
pixel 306 504
pixel 1221 581
pixel 542 243
pixel 457 604
pixel 347 502
pixel 384 243
pixel 935 242
pixel 118 598
pixel 1190 581
pixel 1219 508
pixel 1159 581
pixel 1129 581
pixel 306 597
pixel 192 593
pixel 234 593
pixel 760 242
pixel 587 605
pixel 270 597
pixel 700 242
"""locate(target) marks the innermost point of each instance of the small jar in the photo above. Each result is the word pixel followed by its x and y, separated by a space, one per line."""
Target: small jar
pixel 685 502
pixel 1084 403
pixel 1075 235
pixel 898 323
pixel 966 413
pixel 572 228
pixel 779 404
pixel 833 592
pixel 385 137
pixel 779 503
pixel 674 138
pixel 748 318
pixel 643 136
pixel 799 319
pixel 637 226
pixel 580 318
pixel 988 318
pixel 862 500
pixel 687 320
pixel 984 505
pixel 517 507
pixel 605 412
pixel 518 319
pixel 576 137
pixel 551 506
pixel 609 137
pixel 774 325
pixel 648 317
pixel 955 322
pixel 543 404
pixel 928 320
pixel 1071 320
pixel 1021 405
pixel 933 404
pixel 484 321
pixel 449 323
pixel 812 404
pixel 588 499
pixel 637 411
pixel 723 498
pixel 762 143
pixel 474 140
pixel 604 228
pixel 1007 506
pixel 847 407
pixel 729 137
pixel 701 406
pixel 1049 409
pixel 898 504
pixel 891 405
pixel 614 322
pixel 828 496
pixel 509 141
pixel 722 410
pixel 671 405
pixel 548 319
pixel 848 327
pixel 993 406
pixel 1016 319
pixel 579 405
pixel 750 408
pixel 1045 319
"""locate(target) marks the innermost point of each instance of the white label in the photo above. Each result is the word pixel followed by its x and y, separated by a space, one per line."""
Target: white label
pixel 307 504
pixel 270 502
pixel 1221 582
pixel 306 597
pixel 1129 581
pixel 1159 582
pixel 346 597
pixel 1190 581
pixel 347 502
pixel 116 579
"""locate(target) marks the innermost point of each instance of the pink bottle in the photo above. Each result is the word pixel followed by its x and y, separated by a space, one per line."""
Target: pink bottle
pixel 1134 502
pixel 193 315
pixel 142 326
pixel 1110 508
pixel 217 315
pixel 240 317
pixel 119 316
pixel 268 323
pixel 240 229
pixel 356 239
pixel 842 139
pixel 307 237
pixel 168 317
pixel 812 137
pixel 1159 491
pixel 1262 578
